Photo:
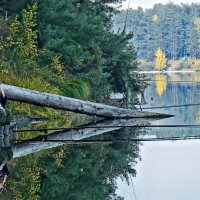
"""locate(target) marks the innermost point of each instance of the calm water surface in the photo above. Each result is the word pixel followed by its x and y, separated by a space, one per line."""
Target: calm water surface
pixel 99 170
pixel 169 169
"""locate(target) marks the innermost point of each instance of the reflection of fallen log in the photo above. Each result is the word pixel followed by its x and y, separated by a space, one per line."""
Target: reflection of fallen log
pixel 71 104
pixel 28 147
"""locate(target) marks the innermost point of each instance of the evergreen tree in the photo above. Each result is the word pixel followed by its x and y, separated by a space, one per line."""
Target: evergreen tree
pixel 197 24
pixel 79 33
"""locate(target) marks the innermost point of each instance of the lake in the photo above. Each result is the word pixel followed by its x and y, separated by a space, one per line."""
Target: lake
pixel 169 169
pixel 105 161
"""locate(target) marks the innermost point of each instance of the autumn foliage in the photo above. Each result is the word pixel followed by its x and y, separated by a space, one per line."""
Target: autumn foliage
pixel 160 60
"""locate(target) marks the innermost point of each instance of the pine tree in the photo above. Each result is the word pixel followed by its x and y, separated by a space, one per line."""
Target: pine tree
pixel 197 24
pixel 160 60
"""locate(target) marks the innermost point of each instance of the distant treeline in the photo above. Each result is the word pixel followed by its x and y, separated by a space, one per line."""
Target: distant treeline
pixel 173 28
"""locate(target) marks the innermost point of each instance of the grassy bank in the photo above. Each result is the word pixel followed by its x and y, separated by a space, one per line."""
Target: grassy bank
pixel 32 81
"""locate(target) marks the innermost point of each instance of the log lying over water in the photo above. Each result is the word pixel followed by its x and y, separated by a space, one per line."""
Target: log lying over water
pixel 58 138
pixel 70 104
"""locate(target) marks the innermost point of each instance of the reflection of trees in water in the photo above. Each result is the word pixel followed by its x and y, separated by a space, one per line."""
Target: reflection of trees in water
pixel 177 93
pixel 193 77
pixel 161 83
pixel 76 172
pixel 196 77
pixel 198 117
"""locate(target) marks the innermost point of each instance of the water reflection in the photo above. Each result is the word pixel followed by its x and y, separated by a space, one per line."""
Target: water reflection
pixel 161 83
pixel 45 165
pixel 181 89
pixel 78 171
pixel 167 169
pixel 6 155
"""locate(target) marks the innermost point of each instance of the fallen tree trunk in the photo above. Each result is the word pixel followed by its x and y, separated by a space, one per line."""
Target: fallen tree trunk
pixel 70 104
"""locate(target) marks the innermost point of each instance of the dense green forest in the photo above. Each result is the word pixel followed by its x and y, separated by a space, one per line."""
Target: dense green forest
pixel 173 28
pixel 65 47
pixel 68 48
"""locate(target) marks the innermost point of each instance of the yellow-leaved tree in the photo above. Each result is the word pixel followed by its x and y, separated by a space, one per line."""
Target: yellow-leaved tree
pixel 22 39
pixel 160 60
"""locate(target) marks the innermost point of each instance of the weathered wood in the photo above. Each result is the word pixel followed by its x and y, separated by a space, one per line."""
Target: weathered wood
pixel 28 147
pixel 71 104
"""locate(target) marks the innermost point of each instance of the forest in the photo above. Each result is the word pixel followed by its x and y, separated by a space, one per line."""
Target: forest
pixel 65 47
pixel 86 49
pixel 173 28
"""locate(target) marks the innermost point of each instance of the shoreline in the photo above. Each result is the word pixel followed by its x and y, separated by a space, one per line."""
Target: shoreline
pixel 165 72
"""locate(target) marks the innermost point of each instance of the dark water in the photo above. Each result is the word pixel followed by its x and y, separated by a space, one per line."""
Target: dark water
pixel 107 163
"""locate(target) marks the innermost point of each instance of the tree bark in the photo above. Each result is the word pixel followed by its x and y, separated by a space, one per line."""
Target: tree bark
pixel 70 104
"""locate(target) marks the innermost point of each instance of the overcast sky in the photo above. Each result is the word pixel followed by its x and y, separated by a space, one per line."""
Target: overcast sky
pixel 150 3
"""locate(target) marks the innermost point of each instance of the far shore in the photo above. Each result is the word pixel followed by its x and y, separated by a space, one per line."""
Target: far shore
pixel 166 72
